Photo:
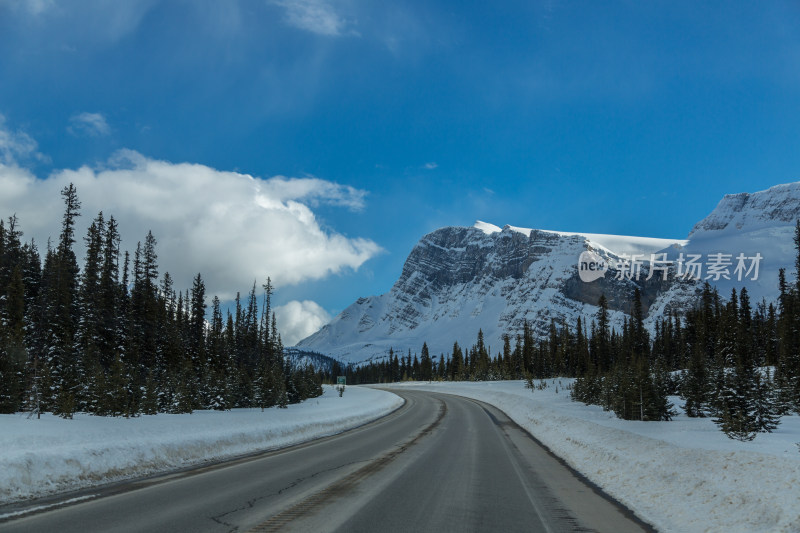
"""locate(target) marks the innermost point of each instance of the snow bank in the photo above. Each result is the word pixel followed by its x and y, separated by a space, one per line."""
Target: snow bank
pixel 684 475
pixel 52 455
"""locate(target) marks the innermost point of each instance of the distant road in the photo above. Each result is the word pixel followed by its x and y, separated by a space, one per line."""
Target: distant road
pixel 440 463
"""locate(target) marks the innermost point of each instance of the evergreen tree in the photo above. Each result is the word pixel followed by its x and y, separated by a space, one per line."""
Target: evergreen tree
pixel 13 353
pixel 695 388
pixel 739 380
pixel 218 366
pixel 602 359
pixel 61 300
pixel 426 364
pixel 90 305
pixel 456 363
pixel 197 348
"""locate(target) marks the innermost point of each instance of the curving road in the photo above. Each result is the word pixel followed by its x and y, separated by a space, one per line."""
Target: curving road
pixel 439 463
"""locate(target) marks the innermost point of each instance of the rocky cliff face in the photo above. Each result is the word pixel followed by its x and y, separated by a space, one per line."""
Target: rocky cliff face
pixel 457 280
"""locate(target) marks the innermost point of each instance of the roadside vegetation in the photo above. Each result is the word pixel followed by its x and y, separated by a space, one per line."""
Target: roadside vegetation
pixel 110 338
pixel 726 359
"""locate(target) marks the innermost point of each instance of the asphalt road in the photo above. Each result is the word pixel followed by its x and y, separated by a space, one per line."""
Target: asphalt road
pixel 439 463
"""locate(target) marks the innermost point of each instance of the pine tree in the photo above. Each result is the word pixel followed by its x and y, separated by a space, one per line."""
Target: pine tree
pixel 111 294
pixel 218 366
pixel 603 357
pixel 65 361
pixel 736 402
pixel 426 364
pixel 695 387
pixel 13 353
pixel 510 363
pixel 90 305
pixel 276 349
pixel 766 406
pixel 396 374
pixel 456 363
pixel 196 347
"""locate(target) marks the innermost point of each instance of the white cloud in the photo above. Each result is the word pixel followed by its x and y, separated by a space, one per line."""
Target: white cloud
pixel 316 16
pixel 231 227
pixel 15 146
pixel 430 166
pixel 298 320
pixel 314 190
pixel 91 124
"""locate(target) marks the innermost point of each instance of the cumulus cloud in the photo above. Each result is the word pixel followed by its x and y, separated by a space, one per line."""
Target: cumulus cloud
pixel 316 16
pixel 89 124
pixel 233 228
pixel 430 166
pixel 298 320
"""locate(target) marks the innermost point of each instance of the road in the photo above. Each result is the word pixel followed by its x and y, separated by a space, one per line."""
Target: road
pixel 439 463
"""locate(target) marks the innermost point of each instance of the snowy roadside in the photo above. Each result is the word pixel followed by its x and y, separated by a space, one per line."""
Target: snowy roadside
pixel 683 475
pixel 51 455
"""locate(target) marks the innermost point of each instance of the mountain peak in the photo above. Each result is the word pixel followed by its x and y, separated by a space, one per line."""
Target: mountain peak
pixel 777 206
pixel 457 280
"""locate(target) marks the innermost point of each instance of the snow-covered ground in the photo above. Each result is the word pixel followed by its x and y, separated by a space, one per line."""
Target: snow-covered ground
pixel 50 455
pixel 682 476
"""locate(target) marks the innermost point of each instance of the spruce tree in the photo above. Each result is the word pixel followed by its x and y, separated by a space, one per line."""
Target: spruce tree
pixel 196 345
pixel 13 353
pixel 64 359
pixel 90 305
pixel 426 364
pixel 695 388
pixel 456 363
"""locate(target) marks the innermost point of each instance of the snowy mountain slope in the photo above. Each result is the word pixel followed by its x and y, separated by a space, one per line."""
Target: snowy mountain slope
pixel 457 280
pixel 302 359
pixel 775 207
pixel 750 223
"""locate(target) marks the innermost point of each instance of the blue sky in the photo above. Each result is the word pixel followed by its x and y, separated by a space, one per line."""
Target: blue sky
pixel 396 118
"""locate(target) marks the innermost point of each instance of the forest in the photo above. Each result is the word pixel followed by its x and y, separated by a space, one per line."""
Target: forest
pixel 114 338
pixel 727 359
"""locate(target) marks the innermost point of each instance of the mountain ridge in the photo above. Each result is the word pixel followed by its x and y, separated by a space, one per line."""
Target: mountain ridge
pixel 457 280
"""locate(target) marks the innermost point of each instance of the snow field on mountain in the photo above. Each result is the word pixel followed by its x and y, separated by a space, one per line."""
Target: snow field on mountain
pixel 618 244
pixel 683 476
pixel 51 455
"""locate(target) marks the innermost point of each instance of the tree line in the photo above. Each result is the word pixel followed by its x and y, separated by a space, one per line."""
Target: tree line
pixel 112 338
pixel 728 360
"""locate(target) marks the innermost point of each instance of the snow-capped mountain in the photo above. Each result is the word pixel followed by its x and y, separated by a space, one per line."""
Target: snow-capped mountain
pixel 457 280
pixel 749 224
